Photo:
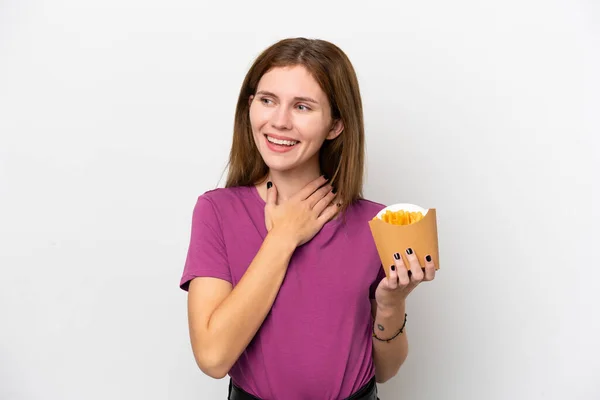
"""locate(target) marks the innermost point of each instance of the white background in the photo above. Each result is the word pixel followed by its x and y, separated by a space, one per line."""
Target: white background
pixel 116 115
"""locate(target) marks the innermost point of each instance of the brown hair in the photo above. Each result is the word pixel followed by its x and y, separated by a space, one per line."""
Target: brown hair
pixel 341 159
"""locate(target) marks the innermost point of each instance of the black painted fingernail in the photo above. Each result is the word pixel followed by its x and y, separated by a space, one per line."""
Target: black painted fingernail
pixel 409 251
pixel 428 258
pixel 397 256
pixel 334 190
pixel 269 185
pixel 393 267
pixel 326 177
pixel 409 274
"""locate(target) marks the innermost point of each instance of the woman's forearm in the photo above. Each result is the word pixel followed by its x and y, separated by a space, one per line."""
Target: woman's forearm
pixel 389 356
pixel 236 320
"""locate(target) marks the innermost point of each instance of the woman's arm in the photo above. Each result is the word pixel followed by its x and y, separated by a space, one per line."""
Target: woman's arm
pixel 222 320
pixel 389 310
pixel 388 357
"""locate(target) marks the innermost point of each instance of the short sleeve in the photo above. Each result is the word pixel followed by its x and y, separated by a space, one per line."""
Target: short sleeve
pixel 207 255
pixel 373 288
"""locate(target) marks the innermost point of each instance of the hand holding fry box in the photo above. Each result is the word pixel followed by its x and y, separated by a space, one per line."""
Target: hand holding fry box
pixel 400 226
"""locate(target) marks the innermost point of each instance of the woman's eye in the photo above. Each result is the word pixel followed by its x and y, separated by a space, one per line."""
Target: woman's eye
pixel 304 108
pixel 265 100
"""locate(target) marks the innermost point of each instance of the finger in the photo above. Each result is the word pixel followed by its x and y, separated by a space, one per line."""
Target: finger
pixel 318 195
pixel 403 278
pixel 323 202
pixel 271 194
pixel 327 214
pixel 415 267
pixel 310 188
pixel 429 268
pixel 392 280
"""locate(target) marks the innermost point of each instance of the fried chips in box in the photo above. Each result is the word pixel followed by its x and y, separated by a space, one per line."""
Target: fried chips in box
pixel 400 226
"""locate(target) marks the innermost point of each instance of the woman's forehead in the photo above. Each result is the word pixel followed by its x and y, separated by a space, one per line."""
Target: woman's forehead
pixel 291 82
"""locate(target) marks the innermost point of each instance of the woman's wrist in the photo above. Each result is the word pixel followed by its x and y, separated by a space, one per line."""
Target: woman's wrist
pixel 389 322
pixel 282 240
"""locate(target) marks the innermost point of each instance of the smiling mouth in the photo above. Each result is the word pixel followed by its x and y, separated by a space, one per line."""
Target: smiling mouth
pixel 282 142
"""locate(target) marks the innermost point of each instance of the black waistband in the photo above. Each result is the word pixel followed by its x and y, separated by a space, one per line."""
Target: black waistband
pixel 367 392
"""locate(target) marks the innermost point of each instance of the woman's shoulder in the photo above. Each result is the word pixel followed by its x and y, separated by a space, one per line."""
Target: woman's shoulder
pixel 366 208
pixel 225 194
pixel 223 200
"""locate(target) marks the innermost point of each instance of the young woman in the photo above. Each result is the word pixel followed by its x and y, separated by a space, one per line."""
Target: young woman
pixel 287 294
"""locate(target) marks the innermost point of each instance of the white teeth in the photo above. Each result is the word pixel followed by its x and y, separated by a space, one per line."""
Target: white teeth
pixel 282 142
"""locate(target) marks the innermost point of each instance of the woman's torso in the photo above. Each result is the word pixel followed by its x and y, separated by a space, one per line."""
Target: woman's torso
pixel 316 340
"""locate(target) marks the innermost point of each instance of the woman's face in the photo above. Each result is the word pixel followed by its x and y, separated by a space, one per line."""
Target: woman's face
pixel 290 117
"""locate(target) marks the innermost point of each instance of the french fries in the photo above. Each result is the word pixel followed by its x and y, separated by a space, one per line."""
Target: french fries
pixel 401 217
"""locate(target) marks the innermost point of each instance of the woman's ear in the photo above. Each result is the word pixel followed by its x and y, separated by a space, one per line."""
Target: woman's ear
pixel 336 129
pixel 250 99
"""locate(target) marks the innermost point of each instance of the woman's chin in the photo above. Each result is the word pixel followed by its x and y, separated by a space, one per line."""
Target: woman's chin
pixel 284 162
pixel 281 164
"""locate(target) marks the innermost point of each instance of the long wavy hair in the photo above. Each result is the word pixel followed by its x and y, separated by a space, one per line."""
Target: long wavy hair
pixel 342 158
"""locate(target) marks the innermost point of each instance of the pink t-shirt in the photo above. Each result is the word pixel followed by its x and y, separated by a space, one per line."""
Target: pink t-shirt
pixel 316 341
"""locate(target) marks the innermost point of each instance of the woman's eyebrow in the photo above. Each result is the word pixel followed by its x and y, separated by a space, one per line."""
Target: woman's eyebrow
pixel 297 98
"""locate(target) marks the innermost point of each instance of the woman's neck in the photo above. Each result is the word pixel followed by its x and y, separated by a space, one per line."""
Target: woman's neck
pixel 288 183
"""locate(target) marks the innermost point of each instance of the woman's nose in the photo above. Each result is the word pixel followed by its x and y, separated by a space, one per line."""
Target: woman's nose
pixel 281 118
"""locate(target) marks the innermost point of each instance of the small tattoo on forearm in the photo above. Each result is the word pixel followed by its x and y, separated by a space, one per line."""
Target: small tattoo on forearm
pixel 380 327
